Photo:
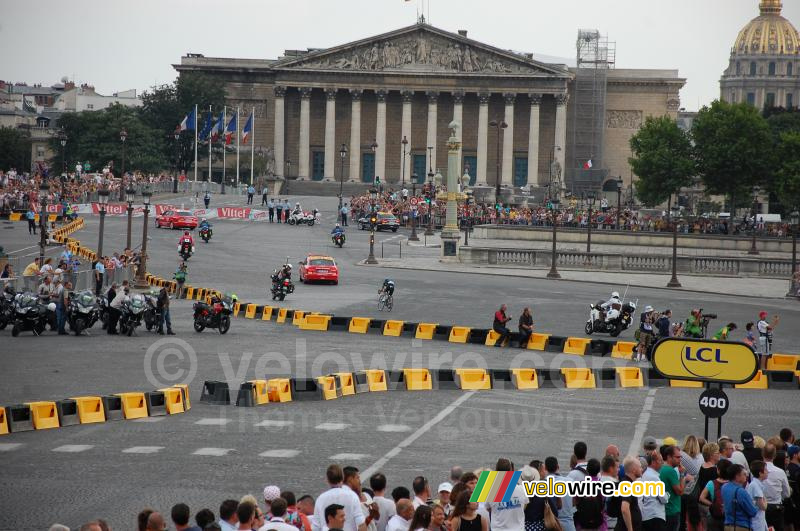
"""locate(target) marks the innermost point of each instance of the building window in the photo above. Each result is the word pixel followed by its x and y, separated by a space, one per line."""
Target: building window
pixel 368 168
pixel 90 106
pixel 772 68
pixel 418 167
pixel 751 98
pixel 471 168
pixel 520 171
pixel 789 100
pixel 752 68
pixel 317 165
pixel 770 100
pixel 40 152
pixel 789 69
pixel 738 68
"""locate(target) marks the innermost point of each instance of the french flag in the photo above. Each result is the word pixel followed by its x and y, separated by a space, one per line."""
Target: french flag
pixel 189 122
pixel 231 129
pixel 248 127
pixel 587 165
pixel 216 131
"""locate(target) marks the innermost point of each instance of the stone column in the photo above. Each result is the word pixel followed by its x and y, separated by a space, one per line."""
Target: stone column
pixel 450 234
pixel 507 170
pixel 483 137
pixel 304 154
pixel 406 132
pixel 433 109
pixel 458 116
pixel 355 136
pixel 561 131
pixel 330 134
pixel 278 146
pixel 533 141
pixel 380 136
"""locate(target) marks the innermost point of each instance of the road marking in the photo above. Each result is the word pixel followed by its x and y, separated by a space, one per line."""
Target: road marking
pixel 142 450
pixel 641 425
pixel 348 457
pixel 393 428
pixel 274 423
pixel 150 419
pixel 287 453
pixel 73 448
pixel 377 465
pixel 7 447
pixel 216 452
pixel 212 422
pixel 332 426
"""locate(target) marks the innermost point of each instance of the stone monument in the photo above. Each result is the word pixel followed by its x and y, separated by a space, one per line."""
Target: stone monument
pixel 451 236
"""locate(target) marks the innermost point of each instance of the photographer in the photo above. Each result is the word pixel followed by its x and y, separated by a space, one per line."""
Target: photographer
pixel 663 325
pixel 694 323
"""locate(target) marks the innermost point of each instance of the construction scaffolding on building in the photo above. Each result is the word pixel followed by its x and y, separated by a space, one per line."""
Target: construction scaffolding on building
pixel 585 165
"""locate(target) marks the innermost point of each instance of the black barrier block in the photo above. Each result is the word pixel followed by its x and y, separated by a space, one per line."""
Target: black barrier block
pixel 215 392
pixel 395 381
pixel 555 344
pixel 605 378
pixel 245 396
pixel 444 379
pixel 156 403
pixel 410 328
pixel 360 379
pixel 652 378
pixel 477 336
pixel 112 407
pixel 67 411
pixel 289 316
pixel 550 378
pixel 339 323
pixel 305 389
pixel 376 325
pixel 600 347
pixel 500 378
pixel 19 418
pixel 442 332
pixel 782 380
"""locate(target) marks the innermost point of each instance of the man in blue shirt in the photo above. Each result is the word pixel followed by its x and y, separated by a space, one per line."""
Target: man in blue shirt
pixel 737 503
pixel 279 209
pixel 31 217
pixel 99 272
pixel 250 192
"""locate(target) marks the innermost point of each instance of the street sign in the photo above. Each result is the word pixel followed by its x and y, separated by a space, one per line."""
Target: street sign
pixel 414 201
pixel 707 361
pixel 714 403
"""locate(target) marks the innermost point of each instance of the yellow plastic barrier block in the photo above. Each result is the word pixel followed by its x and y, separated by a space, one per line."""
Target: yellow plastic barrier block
pixel 425 330
pixel 261 392
pixel 298 317
pixel 3 422
pixel 187 403
pixel 759 381
pixel 523 379
pixel 393 328
pixel 359 325
pixel 347 383
pixel 578 378
pixel 473 379
pixel 44 415
pixel 133 405
pixel 418 379
pixel 685 383
pixel 15 216
pixel 327 386
pixel 52 217
pixel 266 314
pixel 492 337
pixel 629 377
pixel 173 400
pixel 236 307
pixel 279 390
pixel 459 334
pixel 250 311
pixel 282 312
pixel 576 345
pixel 202 293
pixel 782 362
pixel 623 350
pixel 315 322
pixel 90 409
pixel 538 341
pixel 376 379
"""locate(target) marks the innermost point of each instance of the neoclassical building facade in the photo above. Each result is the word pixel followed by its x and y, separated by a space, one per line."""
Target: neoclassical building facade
pixel 371 94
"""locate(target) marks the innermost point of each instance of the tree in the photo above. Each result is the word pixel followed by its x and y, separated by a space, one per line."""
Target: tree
pixel 16 149
pixel 733 149
pixel 787 175
pixel 662 159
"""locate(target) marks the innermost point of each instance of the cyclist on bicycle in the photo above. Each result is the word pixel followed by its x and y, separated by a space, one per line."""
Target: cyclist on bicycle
pixel 387 288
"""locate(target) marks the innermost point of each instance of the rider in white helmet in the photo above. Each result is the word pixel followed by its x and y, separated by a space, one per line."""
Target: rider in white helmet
pixel 612 306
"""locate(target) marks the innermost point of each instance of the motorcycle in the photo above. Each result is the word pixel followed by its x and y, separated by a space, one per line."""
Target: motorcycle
pixel 152 316
pixel 104 303
pixel 186 251
pixel 300 218
pixel 338 239
pixel 132 314
pixel 82 311
pixel 618 318
pixel 215 315
pixel 205 233
pixel 30 315
pixel 7 307
pixel 281 288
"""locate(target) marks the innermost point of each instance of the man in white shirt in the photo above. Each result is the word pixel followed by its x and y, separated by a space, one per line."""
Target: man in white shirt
pixel 386 507
pixel 654 515
pixel 352 481
pixel 228 519
pixel 508 516
pixel 401 520
pixel 776 489
pixel 422 491
pixel 609 472
pixel 566 513
pixel 354 518
pixel 277 522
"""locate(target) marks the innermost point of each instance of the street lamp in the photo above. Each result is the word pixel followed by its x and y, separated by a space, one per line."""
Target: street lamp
pixel 497 125
pixel 753 249
pixel 413 237
pixel 553 273
pixel 342 156
pixel 590 199
pixel 62 138
pixel 435 178
pixel 130 195
pixel 44 188
pixel 794 221
pixel 673 282
pixel 374 148
pixel 552 159
pixel 373 195
pixel 141 281
pixel 102 195
pixel 620 184
pixel 404 142
pixel 123 136
pixel 467 217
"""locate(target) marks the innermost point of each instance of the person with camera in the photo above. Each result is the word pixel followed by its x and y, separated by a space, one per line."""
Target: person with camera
pixel 646 334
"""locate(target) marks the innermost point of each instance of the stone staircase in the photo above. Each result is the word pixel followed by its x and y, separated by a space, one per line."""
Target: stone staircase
pixel 322 188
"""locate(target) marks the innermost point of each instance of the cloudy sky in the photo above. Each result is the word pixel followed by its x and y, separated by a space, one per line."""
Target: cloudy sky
pixel 117 45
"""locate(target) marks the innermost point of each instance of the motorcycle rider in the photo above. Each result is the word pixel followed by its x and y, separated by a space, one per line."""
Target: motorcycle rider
pixel 279 275
pixel 607 308
pixel 186 241
pixel 336 231
pixel 163 309
pixel 204 224
pixel 115 309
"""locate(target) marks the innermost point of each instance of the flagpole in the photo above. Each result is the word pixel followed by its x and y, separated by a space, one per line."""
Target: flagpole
pixel 210 135
pixel 252 142
pixel 237 147
pixel 224 130
pixel 195 142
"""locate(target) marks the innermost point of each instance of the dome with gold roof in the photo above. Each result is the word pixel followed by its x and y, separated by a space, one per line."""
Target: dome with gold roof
pixel 768 34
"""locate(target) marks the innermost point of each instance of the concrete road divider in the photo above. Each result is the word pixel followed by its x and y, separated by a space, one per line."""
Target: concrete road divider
pixel 246 395
pixel 418 379
pixel 623 350
pixel 759 381
pixel 655 379
pixel 19 418
pixel 133 405
pixel 345 383
pixel 395 380
pixel 783 380
pixel 3 422
pixel 370 381
pixel 156 403
pixel 312 389
pixel 524 379
pixel 472 379
pixel 43 415
pixel 279 390
pixel 628 377
pixel 393 328
pixel 359 325
pixel 477 336
pixel 329 390
pixel 67 411
pixel 576 345
pixel 315 322
pixel 90 409
pixel 297 317
pixel 783 362
pixel 112 408
pixel 605 378
pixel 173 400
pixel 459 334
pixel 425 330
pixel 492 337
pixel 686 384
pixel 215 392
pixel 578 378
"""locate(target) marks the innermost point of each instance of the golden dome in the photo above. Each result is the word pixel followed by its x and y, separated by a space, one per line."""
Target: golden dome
pixel 768 34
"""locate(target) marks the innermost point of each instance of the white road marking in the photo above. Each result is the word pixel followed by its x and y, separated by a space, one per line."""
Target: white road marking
pixel 287 453
pixel 7 447
pixel 216 452
pixel 332 426
pixel 348 457
pixel 142 450
pixel 641 425
pixel 393 428
pixel 212 422
pixel 274 423
pixel 380 463
pixel 73 448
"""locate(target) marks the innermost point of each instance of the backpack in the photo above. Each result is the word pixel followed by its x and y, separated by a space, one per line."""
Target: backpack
pixel 589 510
pixel 614 507
pixel 717 510
pixel 293 518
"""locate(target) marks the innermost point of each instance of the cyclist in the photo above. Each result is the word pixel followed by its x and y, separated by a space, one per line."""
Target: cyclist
pixel 387 288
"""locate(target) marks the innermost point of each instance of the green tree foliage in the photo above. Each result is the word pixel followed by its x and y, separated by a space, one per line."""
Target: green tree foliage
pixel 787 175
pixel 662 159
pixel 733 148
pixel 15 149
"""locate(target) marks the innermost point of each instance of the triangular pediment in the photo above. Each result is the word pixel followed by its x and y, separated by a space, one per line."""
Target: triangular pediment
pixel 420 49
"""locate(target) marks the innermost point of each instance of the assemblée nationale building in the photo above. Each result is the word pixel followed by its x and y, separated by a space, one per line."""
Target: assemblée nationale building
pixel 412 82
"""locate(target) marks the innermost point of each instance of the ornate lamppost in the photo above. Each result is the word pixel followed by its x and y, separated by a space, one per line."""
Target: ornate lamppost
pixel 373 195
pixel 342 156
pixel 673 282
pixel 102 196
pixel 497 125
pixel 620 183
pixel 794 221
pixel 590 199
pixel 123 136
pixel 753 249
pixel 141 281
pixel 553 273
pixel 130 195
pixel 44 189
pixel 414 211
pixel 62 139
pixel 404 143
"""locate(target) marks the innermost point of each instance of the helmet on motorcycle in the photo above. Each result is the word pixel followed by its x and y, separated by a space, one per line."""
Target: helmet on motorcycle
pixel 615 295
pixel 337 224
pixel 203 220
pixel 51 306
pixel 288 266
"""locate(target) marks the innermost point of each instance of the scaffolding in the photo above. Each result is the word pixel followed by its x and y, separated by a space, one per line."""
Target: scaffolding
pixel 595 57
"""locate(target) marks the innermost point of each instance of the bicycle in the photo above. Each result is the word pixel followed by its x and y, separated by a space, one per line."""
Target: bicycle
pixel 385 300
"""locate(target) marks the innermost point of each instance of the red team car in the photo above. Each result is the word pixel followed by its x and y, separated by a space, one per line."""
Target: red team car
pixel 321 268
pixel 176 219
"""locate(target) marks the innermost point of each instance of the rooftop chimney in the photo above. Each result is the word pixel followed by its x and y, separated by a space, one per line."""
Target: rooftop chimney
pixel 463 33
